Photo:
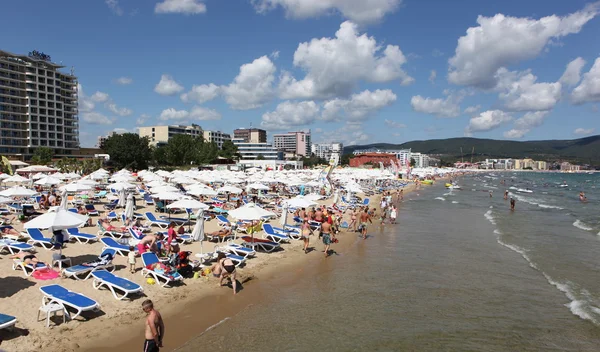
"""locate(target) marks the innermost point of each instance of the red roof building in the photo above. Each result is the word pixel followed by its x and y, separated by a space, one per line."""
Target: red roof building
pixel 373 158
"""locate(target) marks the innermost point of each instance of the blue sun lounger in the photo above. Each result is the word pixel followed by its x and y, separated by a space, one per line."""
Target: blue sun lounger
pixel 83 272
pixel 163 224
pixel 80 236
pixel 14 246
pixel 37 237
pixel 150 258
pixel 270 234
pixel 68 299
pixel 178 221
pixel 91 210
pixel 110 243
pixel 119 286
pixel 239 250
pixel 28 269
pixel 7 321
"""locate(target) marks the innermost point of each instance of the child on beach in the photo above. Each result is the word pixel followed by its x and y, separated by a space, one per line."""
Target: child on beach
pixel 155 328
pixel 131 259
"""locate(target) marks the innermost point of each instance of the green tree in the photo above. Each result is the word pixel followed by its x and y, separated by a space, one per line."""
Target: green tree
pixel 413 162
pixel 159 156
pixel 228 150
pixel 42 156
pixel 182 149
pixel 128 150
pixel 345 160
pixel 260 157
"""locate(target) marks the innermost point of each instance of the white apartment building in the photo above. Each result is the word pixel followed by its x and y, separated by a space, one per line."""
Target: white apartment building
pixel 254 151
pixel 328 151
pixel 293 142
pixel 403 155
pixel 161 134
pixel 217 137
pixel 38 106
pixel 421 160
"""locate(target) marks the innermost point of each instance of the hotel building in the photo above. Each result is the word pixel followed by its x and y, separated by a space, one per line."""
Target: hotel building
pixel 297 143
pixel 38 106
pixel 328 151
pixel 217 137
pixel 250 135
pixel 161 134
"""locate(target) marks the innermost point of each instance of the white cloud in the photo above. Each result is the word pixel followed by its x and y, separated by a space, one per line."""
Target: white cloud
pixel 437 53
pixel 99 97
pixel 359 107
pixel 487 121
pixel 449 107
pixel 520 92
pixel 572 74
pixel 96 118
pixel 472 109
pixel 394 124
pixel 584 131
pixel 359 11
pixel 432 76
pixel 201 94
pixel 358 137
pixel 290 114
pixel 142 119
pixel 85 103
pixel 113 5
pixel 334 66
pixel 167 86
pixel 112 107
pixel 589 88
pixel 275 55
pixel 526 123
pixel 253 86
pixel 188 7
pixel 197 113
pixel 502 40
pixel 124 81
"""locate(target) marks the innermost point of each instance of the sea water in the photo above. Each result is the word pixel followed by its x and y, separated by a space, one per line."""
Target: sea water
pixel 454 275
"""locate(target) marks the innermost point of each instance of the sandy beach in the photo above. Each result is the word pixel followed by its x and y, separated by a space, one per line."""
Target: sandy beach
pixel 119 324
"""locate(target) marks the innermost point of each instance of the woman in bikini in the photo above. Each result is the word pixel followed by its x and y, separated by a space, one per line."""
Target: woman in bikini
pixel 26 257
pixel 352 224
pixel 227 270
pixel 306 231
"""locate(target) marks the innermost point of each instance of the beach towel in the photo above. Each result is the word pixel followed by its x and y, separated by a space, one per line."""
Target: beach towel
pixel 45 274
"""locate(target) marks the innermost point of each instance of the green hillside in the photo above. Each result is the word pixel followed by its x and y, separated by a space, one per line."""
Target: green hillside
pixel 583 150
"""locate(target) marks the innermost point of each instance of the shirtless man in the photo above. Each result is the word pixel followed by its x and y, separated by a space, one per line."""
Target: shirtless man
pixel 155 328
pixel 364 217
pixel 149 241
pixel 26 257
pixel 512 204
pixel 326 232
pixel 319 215
pixel 506 195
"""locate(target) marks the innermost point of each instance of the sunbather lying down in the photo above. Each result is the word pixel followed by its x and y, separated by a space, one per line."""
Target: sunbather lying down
pixel 108 227
pixel 104 259
pixel 26 257
pixel 6 221
pixel 10 231
pixel 222 232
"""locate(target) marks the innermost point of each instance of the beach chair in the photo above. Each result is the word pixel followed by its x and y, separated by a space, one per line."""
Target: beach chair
pixel 222 221
pixel 68 299
pixel 261 244
pixel 15 208
pixel 112 205
pixel 91 210
pixel 14 246
pixel 37 237
pixel 106 232
pixel 135 235
pixel 181 238
pixel 96 197
pixel 110 243
pixel 366 201
pixel 73 210
pixel 84 272
pixel 80 236
pixel 28 269
pixel 7 321
pixel 239 250
pixel 150 258
pixel 112 216
pixel 120 287
pixel 4 211
pixel 160 207
pixel 154 221
pixel 177 221
pixel 270 234
pixel 220 238
pixel 149 201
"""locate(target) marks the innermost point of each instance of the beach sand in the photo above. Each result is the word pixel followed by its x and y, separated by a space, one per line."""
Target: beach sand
pixel 188 309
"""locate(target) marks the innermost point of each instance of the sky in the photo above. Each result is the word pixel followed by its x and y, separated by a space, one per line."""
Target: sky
pixel 351 71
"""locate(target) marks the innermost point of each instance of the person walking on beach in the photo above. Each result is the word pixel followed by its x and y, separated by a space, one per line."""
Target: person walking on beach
pixel 326 233
pixel 352 224
pixel 364 217
pixel 393 214
pixel 155 328
pixel 306 231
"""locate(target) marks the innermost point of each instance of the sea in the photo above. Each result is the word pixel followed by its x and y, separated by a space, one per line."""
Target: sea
pixel 459 272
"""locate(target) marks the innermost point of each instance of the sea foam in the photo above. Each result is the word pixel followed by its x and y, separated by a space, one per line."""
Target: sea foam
pixel 582 225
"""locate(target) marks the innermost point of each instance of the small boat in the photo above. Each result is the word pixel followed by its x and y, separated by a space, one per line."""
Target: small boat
pixel 448 185
pixel 454 187
pixel 524 190
pixel 427 182
pixel 563 186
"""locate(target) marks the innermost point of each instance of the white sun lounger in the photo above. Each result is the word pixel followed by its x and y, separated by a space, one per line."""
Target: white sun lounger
pixel 119 286
pixel 37 237
pixel 152 220
pixel 264 245
pixel 84 272
pixel 239 250
pixel 28 269
pixel 110 243
pixel 80 236
pixel 14 246
pixel 270 234
pixel 66 298
pixel 149 258
pixel 7 321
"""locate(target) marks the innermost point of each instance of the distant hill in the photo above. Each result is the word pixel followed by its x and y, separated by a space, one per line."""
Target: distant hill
pixel 584 150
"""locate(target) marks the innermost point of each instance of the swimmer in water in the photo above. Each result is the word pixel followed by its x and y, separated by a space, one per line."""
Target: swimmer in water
pixel 512 204
pixel 506 195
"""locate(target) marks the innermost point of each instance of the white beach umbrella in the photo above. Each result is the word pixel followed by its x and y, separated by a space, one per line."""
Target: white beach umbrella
pixel 37 176
pixel 198 233
pixel 229 189
pixel 48 181
pixel 187 204
pixel 313 184
pixel 57 218
pixel 156 183
pixel 75 187
pixel 284 215
pixel 122 185
pixel 313 197
pixel 98 176
pixel 16 179
pixel 164 188
pixel 336 196
pixel 258 187
pixel 4 200
pixel 63 200
pixel 249 211
pixel 129 207
pixel 299 202
pixel 202 192
pixel 88 182
pixel 122 199
pixel 168 196
pixel 17 191
pixel 4 177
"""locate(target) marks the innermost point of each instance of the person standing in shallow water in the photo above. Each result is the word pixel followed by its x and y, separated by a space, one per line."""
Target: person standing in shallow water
pixel 512 204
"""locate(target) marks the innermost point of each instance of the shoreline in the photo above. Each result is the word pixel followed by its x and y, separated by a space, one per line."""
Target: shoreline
pixel 206 309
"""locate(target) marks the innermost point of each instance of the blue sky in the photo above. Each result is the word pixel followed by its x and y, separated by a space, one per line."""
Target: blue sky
pixel 352 71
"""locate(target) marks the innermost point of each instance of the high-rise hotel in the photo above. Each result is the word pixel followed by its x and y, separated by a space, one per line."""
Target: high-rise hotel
pixel 38 106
